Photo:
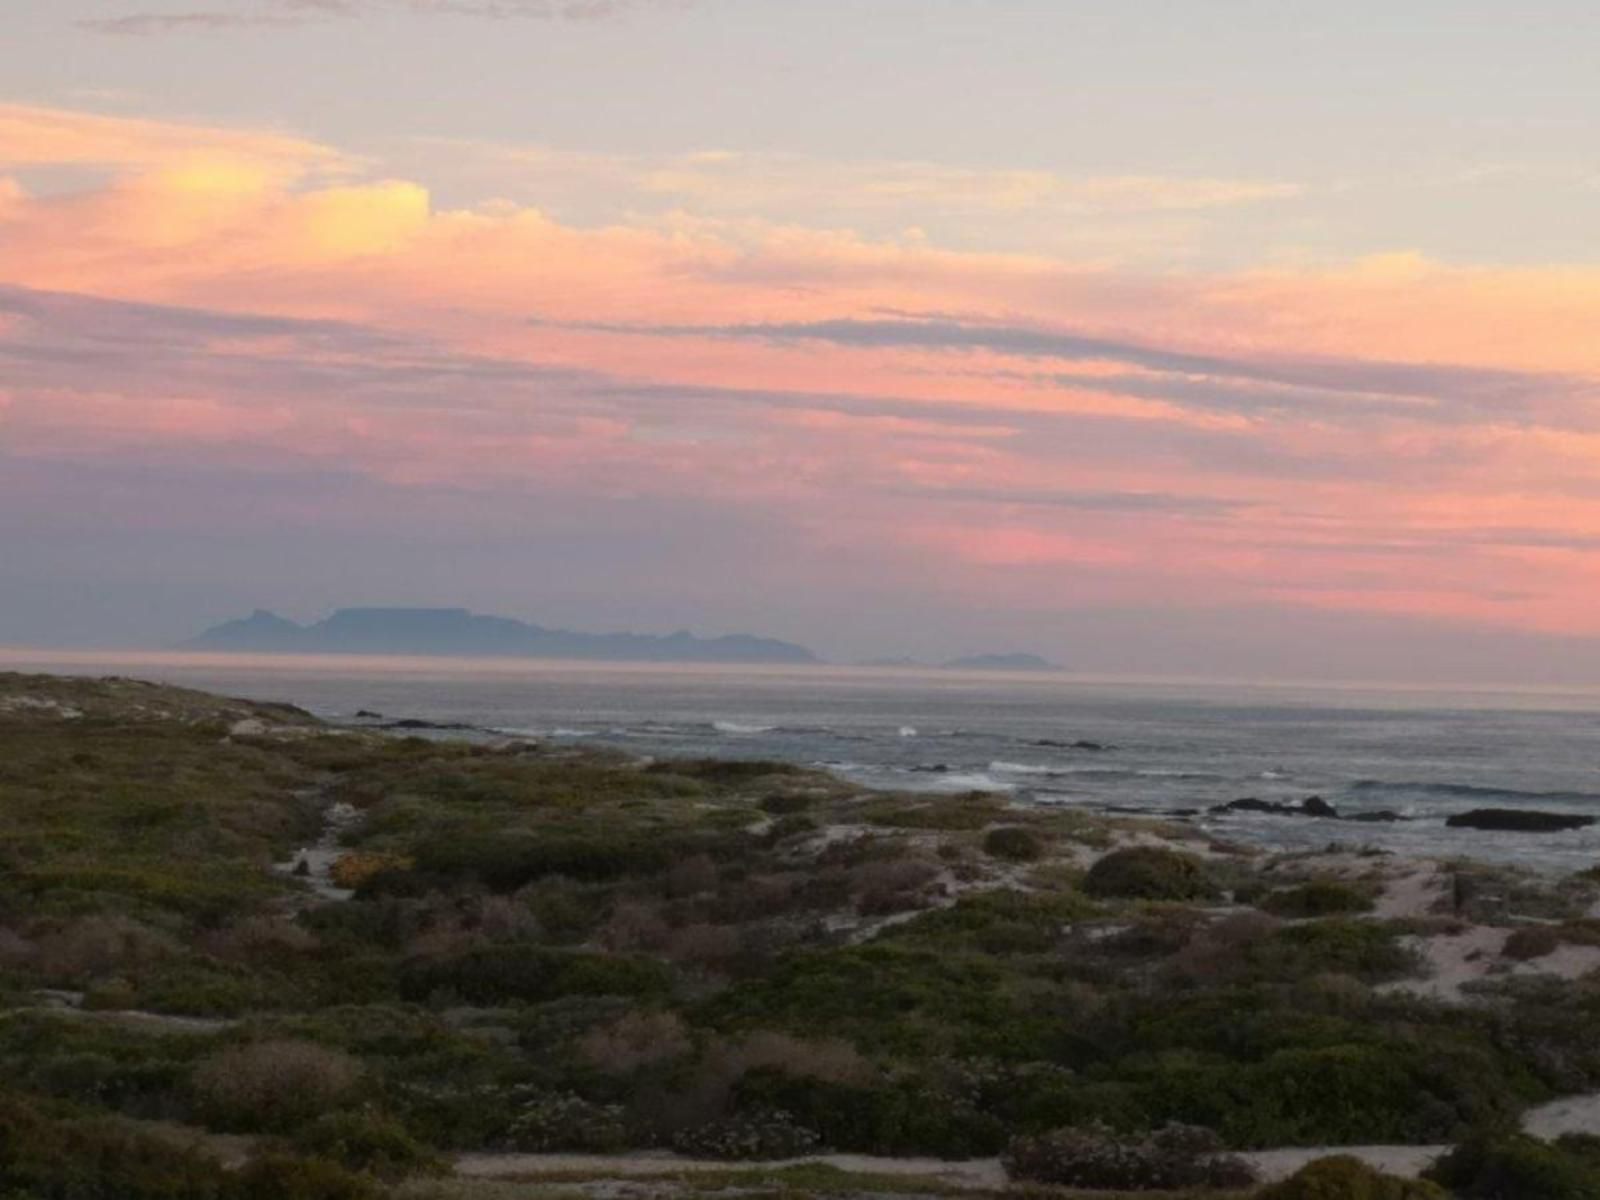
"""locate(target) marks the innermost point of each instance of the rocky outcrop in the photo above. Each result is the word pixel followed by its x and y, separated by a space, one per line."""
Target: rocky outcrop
pixel 1312 806
pixel 1519 820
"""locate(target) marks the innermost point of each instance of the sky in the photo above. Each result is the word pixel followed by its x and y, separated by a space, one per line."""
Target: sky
pixel 1250 338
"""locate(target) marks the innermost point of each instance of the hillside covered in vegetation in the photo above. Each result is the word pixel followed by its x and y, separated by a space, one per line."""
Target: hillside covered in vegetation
pixel 246 954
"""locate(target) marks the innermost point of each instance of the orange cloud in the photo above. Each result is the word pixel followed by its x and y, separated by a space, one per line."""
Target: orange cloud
pixel 32 136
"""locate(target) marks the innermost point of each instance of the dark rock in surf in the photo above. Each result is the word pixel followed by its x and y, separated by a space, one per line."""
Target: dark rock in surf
pixel 1518 820
pixel 1312 806
pixel 438 726
pixel 1383 815
pixel 366 714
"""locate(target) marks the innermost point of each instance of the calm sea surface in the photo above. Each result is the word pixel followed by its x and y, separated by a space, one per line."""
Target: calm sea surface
pixel 1046 739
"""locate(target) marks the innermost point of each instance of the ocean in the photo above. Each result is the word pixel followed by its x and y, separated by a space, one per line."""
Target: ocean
pixel 1097 744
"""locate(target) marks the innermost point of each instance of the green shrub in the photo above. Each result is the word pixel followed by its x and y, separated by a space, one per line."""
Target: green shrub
pixel 787 804
pixel 273 1086
pixel 1368 950
pixel 1322 898
pixel 749 1136
pixel 1004 921
pixel 1342 1177
pixel 1095 1156
pixel 726 772
pixel 972 811
pixel 1149 873
pixel 1509 1166
pixel 278 1177
pixel 909 1114
pixel 519 972
pixel 903 999
pixel 47 1159
pixel 368 1141
pixel 1532 941
pixel 564 1121
pixel 1014 844
pixel 791 826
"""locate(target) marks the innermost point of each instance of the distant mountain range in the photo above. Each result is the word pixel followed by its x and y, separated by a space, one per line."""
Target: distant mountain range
pixel 455 631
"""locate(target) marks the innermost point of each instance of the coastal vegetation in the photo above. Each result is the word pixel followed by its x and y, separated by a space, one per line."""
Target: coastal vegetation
pixel 246 954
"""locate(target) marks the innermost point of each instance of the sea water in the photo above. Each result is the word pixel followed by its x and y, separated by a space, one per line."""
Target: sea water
pixel 1047 739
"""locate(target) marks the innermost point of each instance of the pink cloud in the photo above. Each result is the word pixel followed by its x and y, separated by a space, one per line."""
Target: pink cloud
pixel 1346 439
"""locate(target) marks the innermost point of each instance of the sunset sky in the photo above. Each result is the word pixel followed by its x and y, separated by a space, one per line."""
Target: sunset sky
pixel 1243 337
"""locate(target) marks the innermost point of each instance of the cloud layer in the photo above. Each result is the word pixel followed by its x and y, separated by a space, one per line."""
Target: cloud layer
pixel 278 14
pixel 879 420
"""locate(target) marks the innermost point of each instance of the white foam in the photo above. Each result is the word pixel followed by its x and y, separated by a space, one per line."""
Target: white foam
pixel 738 727
pixel 1014 768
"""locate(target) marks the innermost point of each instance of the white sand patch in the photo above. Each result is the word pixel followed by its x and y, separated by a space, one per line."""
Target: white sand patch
pixel 1452 961
pixel 1409 1161
pixel 1415 889
pixel 1455 960
pixel 1575 1114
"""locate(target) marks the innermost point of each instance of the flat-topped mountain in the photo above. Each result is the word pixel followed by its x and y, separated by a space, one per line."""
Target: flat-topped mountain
pixel 456 631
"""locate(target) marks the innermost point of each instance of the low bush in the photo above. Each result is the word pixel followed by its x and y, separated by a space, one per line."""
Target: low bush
pixel 896 998
pixel 279 1177
pixel 1530 942
pixel 1342 1177
pixel 1014 844
pixel 637 1039
pixel 750 1136
pixel 911 1114
pixel 1149 873
pixel 1366 950
pixel 1095 1156
pixel 42 1158
pixel 1321 898
pixel 520 972
pixel 355 869
pixel 973 811
pixel 787 804
pixel 724 771
pixel 272 1086
pixel 548 1123
pixel 1510 1166
pixel 1004 921
pixel 367 1141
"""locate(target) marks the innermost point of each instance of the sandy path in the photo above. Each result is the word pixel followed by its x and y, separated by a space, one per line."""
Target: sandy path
pixel 1575 1114
pixel 318 860
pixel 980 1173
